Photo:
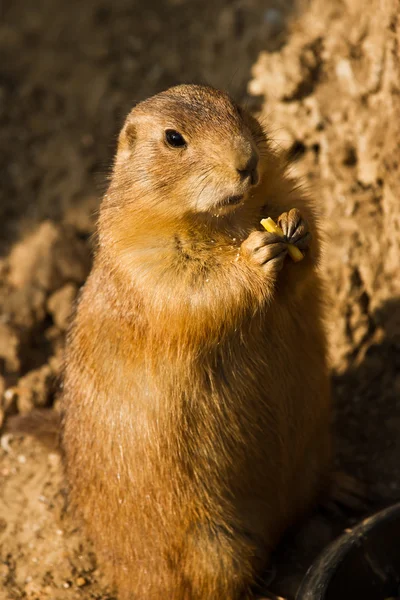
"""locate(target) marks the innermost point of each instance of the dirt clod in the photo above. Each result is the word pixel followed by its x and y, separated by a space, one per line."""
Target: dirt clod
pixel 50 257
pixel 60 304
pixel 34 389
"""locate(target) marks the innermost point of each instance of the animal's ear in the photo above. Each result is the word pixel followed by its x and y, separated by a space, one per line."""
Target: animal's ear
pixel 130 132
pixel 127 138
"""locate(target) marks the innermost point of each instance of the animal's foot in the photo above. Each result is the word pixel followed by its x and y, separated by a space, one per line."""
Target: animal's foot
pixel 346 494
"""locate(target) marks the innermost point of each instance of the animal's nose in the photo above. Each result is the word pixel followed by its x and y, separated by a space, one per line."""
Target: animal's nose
pixel 249 169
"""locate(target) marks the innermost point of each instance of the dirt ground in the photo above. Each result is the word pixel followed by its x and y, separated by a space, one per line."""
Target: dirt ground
pixel 326 83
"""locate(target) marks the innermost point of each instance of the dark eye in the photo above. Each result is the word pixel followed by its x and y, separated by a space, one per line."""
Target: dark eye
pixel 174 138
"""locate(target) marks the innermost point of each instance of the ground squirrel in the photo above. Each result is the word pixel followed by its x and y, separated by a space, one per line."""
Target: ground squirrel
pixel 196 404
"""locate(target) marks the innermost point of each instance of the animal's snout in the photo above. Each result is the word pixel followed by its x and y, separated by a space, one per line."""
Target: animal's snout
pixel 247 168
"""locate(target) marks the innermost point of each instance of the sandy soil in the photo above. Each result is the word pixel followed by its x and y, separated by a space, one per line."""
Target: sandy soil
pixel 327 89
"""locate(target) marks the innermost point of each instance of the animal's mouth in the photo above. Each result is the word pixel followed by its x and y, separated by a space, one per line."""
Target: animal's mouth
pixel 231 200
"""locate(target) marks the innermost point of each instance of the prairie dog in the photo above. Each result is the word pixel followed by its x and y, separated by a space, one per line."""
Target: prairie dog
pixel 196 406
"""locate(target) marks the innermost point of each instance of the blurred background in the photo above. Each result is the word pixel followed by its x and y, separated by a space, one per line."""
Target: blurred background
pixel 71 71
pixel 324 76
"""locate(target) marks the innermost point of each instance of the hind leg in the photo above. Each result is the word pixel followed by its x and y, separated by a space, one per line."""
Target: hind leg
pixel 208 563
pixel 219 563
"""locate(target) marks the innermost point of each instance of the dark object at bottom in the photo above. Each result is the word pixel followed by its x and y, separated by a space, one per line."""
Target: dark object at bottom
pixel 363 564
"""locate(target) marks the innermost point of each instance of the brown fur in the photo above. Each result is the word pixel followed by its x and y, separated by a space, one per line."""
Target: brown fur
pixel 196 403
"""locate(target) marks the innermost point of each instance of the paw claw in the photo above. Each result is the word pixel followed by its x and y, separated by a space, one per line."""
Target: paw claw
pixel 295 228
pixel 294 220
pixel 304 242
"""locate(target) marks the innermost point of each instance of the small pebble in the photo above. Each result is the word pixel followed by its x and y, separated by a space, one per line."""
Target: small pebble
pixel 81 581
pixel 53 459
pixel 9 394
pixel 5 442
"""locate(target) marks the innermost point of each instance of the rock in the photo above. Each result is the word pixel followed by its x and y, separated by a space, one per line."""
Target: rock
pixel 81 582
pixel 9 402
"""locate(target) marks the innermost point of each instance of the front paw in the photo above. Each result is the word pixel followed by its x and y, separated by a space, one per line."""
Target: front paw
pixel 266 250
pixel 295 229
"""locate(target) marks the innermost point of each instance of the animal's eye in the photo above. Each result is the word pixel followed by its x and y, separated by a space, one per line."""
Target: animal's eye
pixel 174 138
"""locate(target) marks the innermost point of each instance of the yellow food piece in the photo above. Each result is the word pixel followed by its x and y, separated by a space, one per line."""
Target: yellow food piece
pixel 272 227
